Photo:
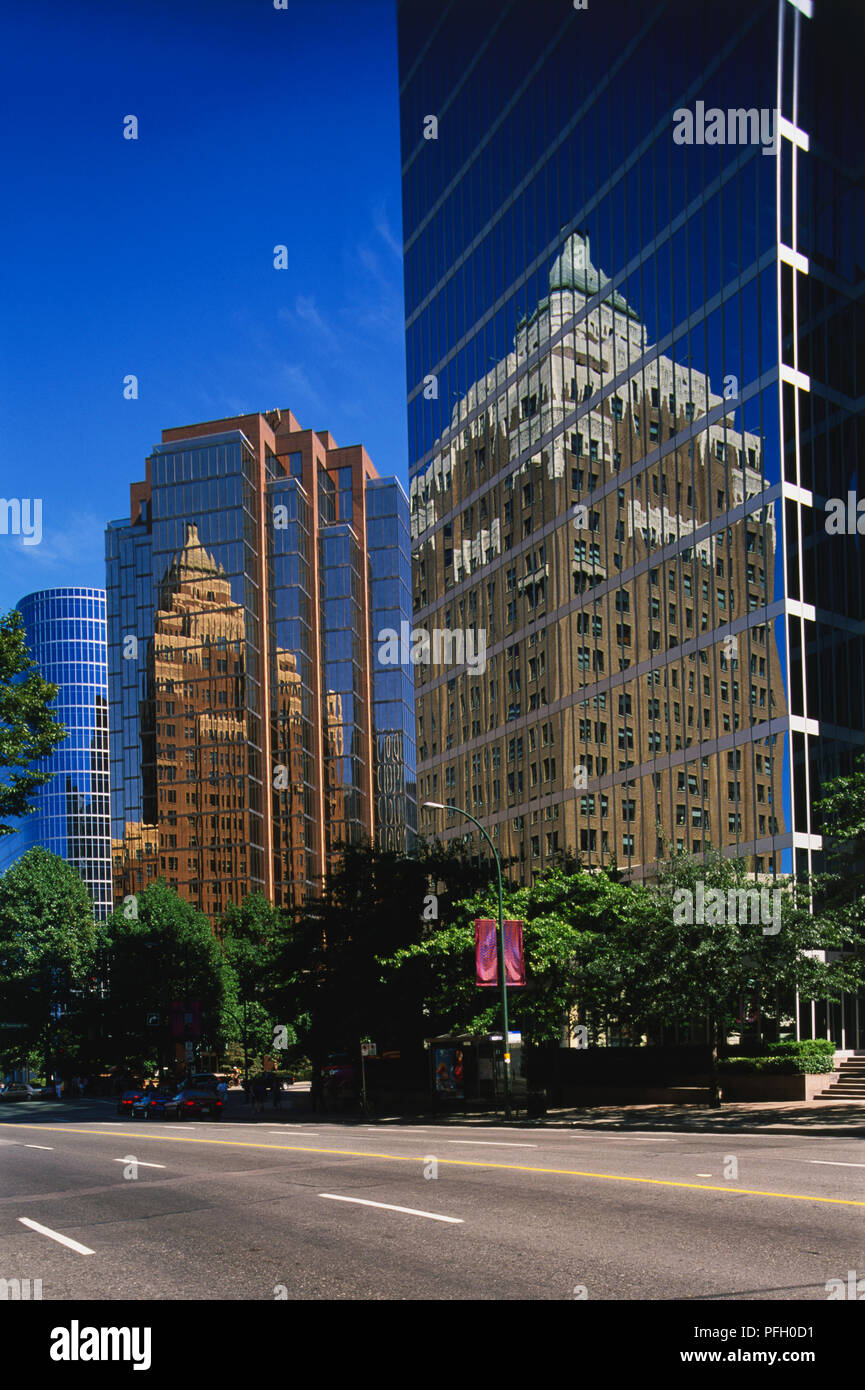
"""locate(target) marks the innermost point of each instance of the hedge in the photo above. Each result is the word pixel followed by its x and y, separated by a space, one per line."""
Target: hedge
pixel 806 1047
pixel 813 1064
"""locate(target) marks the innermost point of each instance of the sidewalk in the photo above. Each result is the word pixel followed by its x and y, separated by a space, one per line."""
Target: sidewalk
pixel 845 1118
pixel 823 1117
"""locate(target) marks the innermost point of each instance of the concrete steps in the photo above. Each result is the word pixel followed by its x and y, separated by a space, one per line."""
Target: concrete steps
pixel 848 1083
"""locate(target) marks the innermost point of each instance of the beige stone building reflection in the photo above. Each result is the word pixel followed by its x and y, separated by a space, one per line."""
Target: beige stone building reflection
pixel 623 573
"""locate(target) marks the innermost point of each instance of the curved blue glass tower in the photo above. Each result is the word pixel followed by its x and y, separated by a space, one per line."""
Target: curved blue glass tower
pixel 66 634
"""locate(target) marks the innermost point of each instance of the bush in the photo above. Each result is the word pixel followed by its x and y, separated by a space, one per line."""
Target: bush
pixel 810 1064
pixel 806 1047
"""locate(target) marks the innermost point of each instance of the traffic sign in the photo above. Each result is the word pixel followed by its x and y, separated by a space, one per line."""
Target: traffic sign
pixel 368 1049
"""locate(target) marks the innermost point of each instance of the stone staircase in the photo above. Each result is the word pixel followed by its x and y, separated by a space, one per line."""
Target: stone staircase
pixel 848 1082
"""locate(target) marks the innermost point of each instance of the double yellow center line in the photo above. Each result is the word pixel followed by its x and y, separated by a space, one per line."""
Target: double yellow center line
pixel 450 1162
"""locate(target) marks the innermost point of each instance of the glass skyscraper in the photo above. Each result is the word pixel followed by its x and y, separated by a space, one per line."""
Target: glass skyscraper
pixel 633 266
pixel 254 736
pixel 65 631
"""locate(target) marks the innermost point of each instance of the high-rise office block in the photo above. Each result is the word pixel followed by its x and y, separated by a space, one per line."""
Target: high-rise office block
pixel 66 633
pixel 256 734
pixel 633 266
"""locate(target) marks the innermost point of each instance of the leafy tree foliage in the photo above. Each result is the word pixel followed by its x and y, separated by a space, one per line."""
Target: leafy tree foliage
pixel 29 729
pixel 163 953
pixel 47 945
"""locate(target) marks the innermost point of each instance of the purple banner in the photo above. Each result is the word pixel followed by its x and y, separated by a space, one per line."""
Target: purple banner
pixel 486 953
pixel 515 965
pixel 486 963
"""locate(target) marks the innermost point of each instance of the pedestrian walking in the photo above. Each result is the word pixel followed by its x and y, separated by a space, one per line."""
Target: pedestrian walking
pixel 276 1088
pixel 222 1092
pixel 258 1095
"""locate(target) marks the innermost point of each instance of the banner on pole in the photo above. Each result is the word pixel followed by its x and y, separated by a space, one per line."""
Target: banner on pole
pixel 515 965
pixel 486 961
pixel 486 953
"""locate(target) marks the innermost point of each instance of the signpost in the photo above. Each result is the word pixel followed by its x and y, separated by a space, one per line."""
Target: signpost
pixel 367 1049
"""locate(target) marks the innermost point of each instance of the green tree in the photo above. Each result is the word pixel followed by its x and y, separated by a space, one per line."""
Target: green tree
pixel 701 969
pixel 839 890
pixel 576 926
pixel 47 945
pixel 161 950
pixel 254 934
pixel 28 728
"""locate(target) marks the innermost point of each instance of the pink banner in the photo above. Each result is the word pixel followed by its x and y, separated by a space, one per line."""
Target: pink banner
pixel 486 953
pixel 486 963
pixel 515 965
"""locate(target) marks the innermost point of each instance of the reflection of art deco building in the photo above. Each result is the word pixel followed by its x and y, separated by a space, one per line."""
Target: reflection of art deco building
pixel 702 403
pixel 623 661
pixel 65 631
pixel 244 597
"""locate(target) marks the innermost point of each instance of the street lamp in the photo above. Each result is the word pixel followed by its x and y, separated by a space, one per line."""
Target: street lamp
pixel 437 806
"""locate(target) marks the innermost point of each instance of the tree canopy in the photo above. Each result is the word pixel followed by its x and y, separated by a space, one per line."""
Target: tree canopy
pixel 29 729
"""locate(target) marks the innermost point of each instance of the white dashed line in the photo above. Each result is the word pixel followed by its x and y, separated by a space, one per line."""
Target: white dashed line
pixel 493 1143
pixel 55 1235
pixel 386 1206
pixel 49 1147
pixel 138 1163
pixel 829 1163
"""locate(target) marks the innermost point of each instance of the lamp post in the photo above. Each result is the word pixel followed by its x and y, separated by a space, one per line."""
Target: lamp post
pixel 437 806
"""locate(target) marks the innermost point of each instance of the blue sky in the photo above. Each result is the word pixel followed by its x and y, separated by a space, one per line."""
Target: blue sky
pixel 257 127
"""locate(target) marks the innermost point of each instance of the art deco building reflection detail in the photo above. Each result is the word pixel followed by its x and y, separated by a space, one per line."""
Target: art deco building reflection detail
pixel 620 625
pixel 242 616
pixel 669 335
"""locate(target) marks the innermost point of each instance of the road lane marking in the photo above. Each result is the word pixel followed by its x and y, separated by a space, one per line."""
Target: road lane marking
pixel 49 1147
pixel 830 1163
pixel 55 1235
pixel 493 1143
pixel 386 1206
pixel 703 1175
pixel 465 1163
pixel 139 1163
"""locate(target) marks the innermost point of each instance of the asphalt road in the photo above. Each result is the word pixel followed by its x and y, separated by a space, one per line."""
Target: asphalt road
pixel 261 1210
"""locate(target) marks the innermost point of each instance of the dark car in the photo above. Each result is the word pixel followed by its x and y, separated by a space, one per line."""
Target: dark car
pixel 193 1101
pixel 127 1100
pixel 151 1104
pixel 203 1081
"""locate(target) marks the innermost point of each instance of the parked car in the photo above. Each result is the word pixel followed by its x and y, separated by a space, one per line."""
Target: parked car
pixel 19 1090
pixel 193 1101
pixel 127 1100
pixel 204 1081
pixel 150 1105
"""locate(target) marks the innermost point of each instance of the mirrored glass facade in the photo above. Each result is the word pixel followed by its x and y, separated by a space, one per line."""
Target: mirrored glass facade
pixel 633 259
pixel 66 633
pixel 240 599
